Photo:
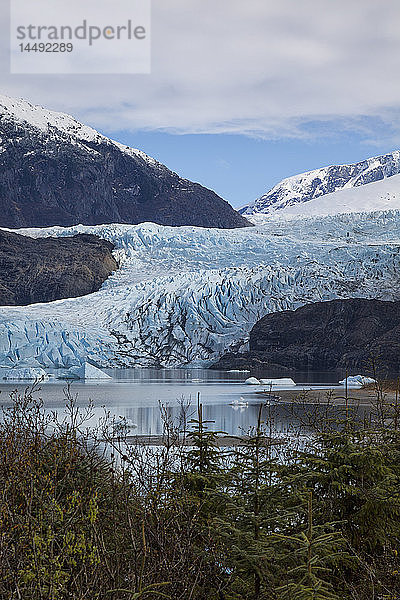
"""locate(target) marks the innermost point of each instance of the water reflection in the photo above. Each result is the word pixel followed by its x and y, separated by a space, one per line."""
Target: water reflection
pixel 135 394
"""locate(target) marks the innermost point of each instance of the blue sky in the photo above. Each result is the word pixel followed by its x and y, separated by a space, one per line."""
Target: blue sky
pixel 244 94
pixel 241 168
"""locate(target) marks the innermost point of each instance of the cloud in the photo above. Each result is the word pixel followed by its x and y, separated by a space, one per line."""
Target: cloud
pixel 260 67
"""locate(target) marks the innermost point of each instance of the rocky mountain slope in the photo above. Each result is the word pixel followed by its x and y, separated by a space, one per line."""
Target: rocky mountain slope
pixel 56 171
pixel 42 270
pixel 325 336
pixel 302 188
pixel 186 295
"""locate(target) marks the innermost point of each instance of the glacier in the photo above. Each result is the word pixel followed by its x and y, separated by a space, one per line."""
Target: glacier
pixel 184 295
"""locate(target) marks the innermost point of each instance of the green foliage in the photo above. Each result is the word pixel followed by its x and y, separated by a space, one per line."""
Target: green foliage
pixel 253 512
pixel 204 457
pixel 314 550
pixel 312 517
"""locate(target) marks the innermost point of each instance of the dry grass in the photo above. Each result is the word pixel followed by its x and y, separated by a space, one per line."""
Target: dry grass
pixel 386 385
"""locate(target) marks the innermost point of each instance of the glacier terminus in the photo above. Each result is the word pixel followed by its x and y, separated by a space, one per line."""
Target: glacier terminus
pixel 184 295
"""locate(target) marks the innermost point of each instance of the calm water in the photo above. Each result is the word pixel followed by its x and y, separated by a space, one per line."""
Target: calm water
pixel 136 394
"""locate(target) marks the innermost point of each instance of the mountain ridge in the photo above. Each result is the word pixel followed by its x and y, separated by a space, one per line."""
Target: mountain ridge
pixel 55 170
pixel 317 183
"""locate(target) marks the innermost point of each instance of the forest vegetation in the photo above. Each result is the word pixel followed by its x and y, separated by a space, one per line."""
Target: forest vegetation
pixel 311 515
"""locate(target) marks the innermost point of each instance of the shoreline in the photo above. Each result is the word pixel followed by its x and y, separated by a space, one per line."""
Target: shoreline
pixel 335 396
pixel 221 441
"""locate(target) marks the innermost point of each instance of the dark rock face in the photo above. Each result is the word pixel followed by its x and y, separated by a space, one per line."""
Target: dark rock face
pixel 324 336
pixel 59 177
pixel 42 270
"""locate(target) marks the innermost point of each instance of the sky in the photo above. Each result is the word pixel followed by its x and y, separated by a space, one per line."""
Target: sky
pixel 243 94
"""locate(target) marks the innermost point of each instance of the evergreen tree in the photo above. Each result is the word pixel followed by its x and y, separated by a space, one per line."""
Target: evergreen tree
pixel 253 513
pixel 311 552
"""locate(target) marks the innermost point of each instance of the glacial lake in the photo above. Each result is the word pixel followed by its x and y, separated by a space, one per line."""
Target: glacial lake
pixel 135 394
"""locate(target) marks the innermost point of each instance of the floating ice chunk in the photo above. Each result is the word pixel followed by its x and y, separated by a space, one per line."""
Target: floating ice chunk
pixel 85 371
pixel 282 381
pixel 252 381
pixel 123 424
pixel 28 374
pixel 239 404
pixel 357 380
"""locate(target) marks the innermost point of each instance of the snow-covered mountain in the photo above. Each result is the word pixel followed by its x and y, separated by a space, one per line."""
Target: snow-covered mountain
pixel 57 171
pixel 380 195
pixel 185 295
pixel 309 186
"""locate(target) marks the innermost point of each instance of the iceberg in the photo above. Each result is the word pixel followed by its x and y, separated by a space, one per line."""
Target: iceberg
pixel 252 381
pixel 85 371
pixel 273 382
pixel 25 374
pixel 123 424
pixel 357 380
